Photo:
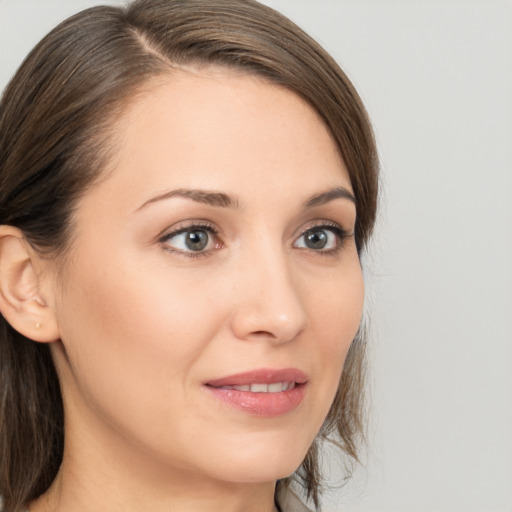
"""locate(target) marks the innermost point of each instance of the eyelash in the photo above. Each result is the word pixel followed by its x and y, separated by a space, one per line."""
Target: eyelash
pixel 197 226
pixel 341 234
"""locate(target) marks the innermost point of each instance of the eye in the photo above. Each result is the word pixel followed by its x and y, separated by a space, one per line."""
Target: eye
pixel 324 238
pixel 192 239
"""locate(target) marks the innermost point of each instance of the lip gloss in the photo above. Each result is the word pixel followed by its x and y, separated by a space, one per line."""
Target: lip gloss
pixel 256 392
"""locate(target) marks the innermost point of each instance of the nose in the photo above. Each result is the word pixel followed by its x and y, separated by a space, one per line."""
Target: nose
pixel 269 304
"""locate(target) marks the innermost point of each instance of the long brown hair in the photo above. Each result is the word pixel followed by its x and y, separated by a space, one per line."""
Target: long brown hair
pixel 57 117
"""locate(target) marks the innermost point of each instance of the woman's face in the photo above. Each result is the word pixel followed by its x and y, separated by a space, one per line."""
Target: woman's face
pixel 213 287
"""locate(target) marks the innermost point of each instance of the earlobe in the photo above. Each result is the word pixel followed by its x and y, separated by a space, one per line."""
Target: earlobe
pixel 21 302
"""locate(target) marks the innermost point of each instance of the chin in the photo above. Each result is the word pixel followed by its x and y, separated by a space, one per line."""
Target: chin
pixel 260 461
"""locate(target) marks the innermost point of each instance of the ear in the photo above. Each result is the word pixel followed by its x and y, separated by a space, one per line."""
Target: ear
pixel 22 301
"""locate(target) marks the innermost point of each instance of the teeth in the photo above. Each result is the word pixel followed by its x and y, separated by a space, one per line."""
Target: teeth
pixel 276 387
pixel 259 388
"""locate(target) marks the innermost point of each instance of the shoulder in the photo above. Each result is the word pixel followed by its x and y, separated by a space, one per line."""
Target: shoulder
pixel 288 501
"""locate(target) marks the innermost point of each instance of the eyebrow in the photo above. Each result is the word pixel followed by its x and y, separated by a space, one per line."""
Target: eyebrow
pixel 220 199
pixel 330 195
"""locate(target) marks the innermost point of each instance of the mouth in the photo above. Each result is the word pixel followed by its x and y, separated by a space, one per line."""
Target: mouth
pixel 275 387
pixel 264 392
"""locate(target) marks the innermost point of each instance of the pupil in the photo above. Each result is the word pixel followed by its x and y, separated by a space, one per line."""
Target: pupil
pixel 316 239
pixel 196 240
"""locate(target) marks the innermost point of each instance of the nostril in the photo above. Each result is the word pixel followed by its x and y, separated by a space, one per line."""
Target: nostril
pixel 268 320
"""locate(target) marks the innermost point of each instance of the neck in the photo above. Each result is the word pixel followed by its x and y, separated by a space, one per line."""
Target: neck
pixel 102 474
pixel 74 492
pixel 61 498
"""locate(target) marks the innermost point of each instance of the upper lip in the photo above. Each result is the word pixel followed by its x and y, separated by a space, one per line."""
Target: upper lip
pixel 261 376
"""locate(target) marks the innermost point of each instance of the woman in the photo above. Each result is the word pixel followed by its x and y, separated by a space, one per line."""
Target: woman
pixel 187 187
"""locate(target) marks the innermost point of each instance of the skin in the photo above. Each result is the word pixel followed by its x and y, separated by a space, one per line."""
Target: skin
pixel 143 324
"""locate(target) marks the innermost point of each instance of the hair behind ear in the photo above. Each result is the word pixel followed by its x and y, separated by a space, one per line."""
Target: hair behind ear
pixel 31 415
pixel 31 419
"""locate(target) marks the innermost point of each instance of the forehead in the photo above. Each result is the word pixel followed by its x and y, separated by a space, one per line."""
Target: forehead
pixel 222 128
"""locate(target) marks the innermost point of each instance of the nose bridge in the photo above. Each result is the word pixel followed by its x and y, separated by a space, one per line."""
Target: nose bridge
pixel 269 303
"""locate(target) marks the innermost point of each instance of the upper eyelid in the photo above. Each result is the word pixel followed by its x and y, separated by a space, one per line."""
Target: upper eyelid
pixel 324 223
pixel 179 231
pixel 339 231
pixel 181 227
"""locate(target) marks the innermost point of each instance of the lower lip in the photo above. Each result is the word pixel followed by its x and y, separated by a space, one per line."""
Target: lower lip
pixel 261 404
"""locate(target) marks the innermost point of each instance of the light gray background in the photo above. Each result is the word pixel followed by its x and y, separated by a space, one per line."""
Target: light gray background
pixel 437 80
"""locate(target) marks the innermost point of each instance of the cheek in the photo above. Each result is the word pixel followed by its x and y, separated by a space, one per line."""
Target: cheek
pixel 335 318
pixel 131 337
pixel 336 307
